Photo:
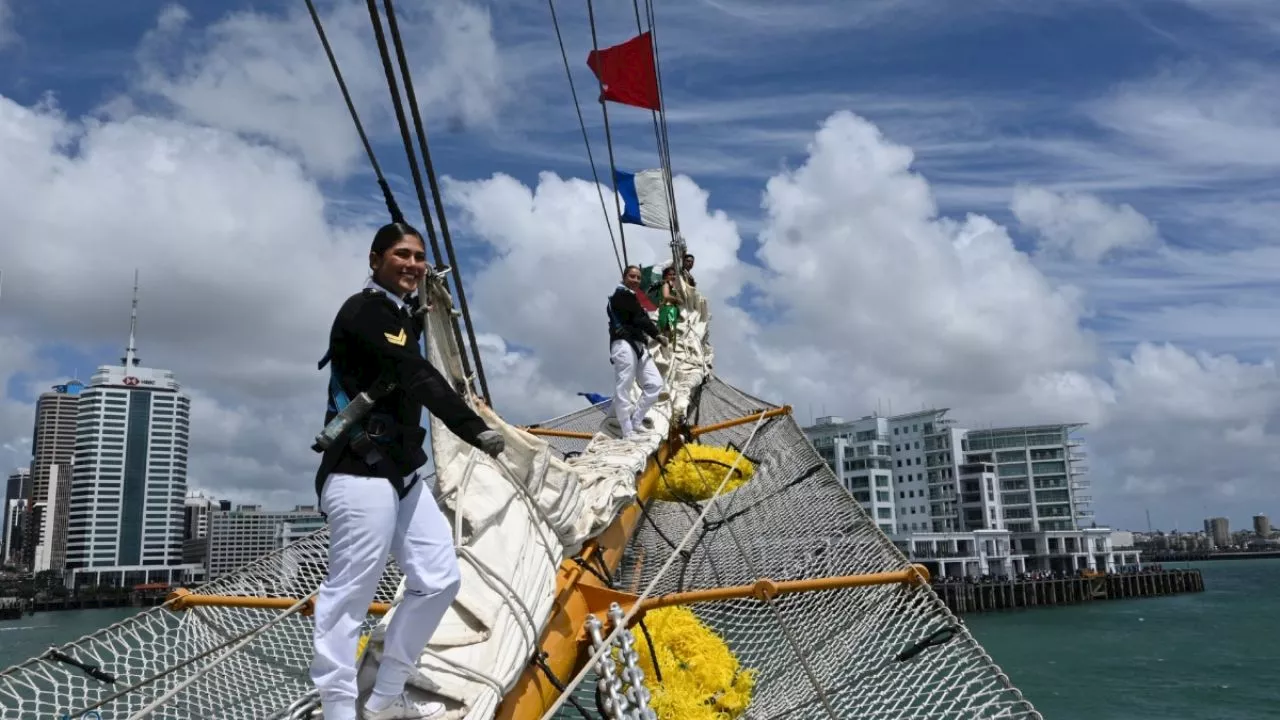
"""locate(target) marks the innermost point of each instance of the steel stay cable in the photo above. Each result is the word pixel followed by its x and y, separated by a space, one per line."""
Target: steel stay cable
pixel 577 106
pixel 608 136
pixel 411 156
pixel 392 207
pixel 403 124
pixel 653 583
pixel 420 128
pixel 665 148
pixel 663 159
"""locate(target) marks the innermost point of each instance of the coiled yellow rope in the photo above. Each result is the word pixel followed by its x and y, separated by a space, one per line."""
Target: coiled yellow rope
pixel 360 646
pixel 697 470
pixel 701 678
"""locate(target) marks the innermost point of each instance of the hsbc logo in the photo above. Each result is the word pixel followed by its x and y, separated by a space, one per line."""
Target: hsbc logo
pixel 131 381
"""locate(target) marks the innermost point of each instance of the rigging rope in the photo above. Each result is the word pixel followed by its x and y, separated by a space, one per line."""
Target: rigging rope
pixel 398 105
pixel 665 145
pixel 420 129
pixel 608 137
pixel 663 159
pixel 392 207
pixel 585 139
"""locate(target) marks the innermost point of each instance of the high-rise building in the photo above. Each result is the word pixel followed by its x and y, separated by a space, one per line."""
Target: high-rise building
pixel 1262 526
pixel 17 484
pixel 15 512
pixel 52 443
pixel 1218 532
pixel 998 501
pixel 195 527
pixel 130 475
pixel 49 518
pixel 15 489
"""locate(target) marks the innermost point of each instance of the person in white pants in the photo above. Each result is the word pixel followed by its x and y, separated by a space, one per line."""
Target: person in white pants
pixel 630 328
pixel 366 522
pixel 372 492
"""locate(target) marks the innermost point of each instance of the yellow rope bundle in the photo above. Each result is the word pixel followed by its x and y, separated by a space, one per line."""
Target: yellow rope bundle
pixel 701 679
pixel 696 472
pixel 360 646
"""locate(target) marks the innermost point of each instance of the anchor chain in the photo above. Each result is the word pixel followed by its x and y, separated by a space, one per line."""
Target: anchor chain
pixel 622 694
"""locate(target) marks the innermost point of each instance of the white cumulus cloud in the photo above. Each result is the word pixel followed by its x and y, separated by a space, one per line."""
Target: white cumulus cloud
pixel 859 292
pixel 1079 225
pixel 267 75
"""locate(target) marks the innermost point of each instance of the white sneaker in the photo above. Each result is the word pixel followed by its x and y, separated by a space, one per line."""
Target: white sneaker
pixel 402 708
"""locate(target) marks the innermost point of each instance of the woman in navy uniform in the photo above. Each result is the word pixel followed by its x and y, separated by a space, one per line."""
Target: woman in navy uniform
pixel 372 491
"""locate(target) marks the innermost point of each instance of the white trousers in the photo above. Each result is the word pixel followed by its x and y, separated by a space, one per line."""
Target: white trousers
pixel 628 369
pixel 366 522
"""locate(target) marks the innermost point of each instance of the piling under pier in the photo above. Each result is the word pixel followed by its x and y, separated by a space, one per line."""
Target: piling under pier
pixel 975 597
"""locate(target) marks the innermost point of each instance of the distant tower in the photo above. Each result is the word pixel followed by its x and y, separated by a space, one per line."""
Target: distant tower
pixel 1262 526
pixel 128 493
pixel 15 503
pixel 53 445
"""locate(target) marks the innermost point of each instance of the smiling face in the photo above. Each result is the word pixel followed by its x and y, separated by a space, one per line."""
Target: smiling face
pixel 632 278
pixel 401 266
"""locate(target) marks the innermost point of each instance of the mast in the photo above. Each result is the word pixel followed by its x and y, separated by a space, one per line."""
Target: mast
pixel 130 358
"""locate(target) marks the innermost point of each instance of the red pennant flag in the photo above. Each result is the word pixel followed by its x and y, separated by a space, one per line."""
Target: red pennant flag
pixel 626 72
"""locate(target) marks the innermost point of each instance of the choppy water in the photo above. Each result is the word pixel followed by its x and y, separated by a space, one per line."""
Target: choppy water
pixel 1208 656
pixel 1205 656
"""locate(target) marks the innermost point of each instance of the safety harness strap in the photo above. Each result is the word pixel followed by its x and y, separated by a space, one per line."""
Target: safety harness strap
pixel 357 436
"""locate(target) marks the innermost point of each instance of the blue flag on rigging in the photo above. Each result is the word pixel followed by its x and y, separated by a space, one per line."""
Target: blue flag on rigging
pixel 644 198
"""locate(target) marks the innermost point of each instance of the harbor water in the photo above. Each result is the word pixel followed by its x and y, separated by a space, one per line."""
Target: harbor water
pixel 1201 656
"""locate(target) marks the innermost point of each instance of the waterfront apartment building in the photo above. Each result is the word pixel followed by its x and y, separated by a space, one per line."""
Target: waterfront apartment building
pixel 1039 477
pixel 129 477
pixel 53 443
pixel 998 501
pixel 241 536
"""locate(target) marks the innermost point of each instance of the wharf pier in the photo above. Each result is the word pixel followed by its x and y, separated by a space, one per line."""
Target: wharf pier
pixel 10 608
pixel 988 595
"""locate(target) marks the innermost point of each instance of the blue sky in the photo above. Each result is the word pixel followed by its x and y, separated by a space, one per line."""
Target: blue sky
pixel 1163 106
pixel 975 93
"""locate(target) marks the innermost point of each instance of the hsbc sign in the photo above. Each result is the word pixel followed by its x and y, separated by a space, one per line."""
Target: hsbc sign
pixel 131 381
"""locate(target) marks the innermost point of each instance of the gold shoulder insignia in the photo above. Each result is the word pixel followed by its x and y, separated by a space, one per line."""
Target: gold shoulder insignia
pixel 398 340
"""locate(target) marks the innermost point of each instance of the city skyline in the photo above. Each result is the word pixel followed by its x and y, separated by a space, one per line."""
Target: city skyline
pixel 74 382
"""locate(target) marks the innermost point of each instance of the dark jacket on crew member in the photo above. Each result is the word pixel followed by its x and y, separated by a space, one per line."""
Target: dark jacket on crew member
pixel 628 320
pixel 371 335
